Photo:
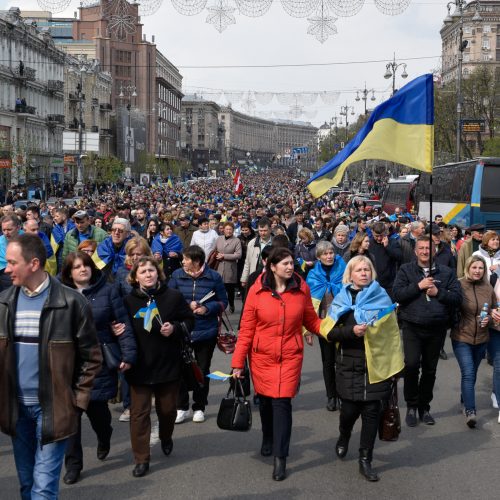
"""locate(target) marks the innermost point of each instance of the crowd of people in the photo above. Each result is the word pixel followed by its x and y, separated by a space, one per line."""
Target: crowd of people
pixel 103 296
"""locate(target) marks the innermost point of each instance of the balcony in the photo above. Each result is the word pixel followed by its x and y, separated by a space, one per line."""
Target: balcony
pixel 22 108
pixel 24 73
pixel 74 97
pixel 105 107
pixel 56 119
pixel 55 85
pixel 94 128
pixel 105 132
pixel 95 101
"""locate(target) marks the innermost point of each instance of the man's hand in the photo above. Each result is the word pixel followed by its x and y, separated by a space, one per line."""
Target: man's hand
pixel 426 283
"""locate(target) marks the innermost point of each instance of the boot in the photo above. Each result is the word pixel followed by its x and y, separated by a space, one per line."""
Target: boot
pixel 342 444
pixel 266 450
pixel 279 472
pixel 365 465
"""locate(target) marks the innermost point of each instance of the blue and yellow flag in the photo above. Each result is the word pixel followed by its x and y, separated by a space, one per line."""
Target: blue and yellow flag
pixel 170 184
pixel 148 313
pixel 384 354
pixel 400 129
pixel 320 282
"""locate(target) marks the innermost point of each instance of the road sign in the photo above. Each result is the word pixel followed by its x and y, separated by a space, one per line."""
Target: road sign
pixel 300 151
pixel 472 125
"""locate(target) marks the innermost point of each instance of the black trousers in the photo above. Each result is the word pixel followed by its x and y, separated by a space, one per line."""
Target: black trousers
pixel 203 352
pixel 100 420
pixel 370 412
pixel 328 359
pixel 421 348
pixel 276 418
pixel 230 290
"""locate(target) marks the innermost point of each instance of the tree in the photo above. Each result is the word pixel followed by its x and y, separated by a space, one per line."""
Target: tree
pixel 492 147
pixel 106 170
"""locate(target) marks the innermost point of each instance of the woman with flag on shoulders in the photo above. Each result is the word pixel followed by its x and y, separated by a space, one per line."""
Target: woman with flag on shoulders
pixel 325 281
pixel 369 355
pixel 158 313
pixel 167 248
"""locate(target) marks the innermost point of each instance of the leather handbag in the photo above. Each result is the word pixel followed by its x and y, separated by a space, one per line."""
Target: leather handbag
pixel 226 337
pixel 111 354
pixel 235 412
pixel 212 261
pixel 191 373
pixel 390 423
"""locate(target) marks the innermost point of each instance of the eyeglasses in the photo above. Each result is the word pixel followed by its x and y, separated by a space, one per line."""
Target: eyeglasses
pixel 117 230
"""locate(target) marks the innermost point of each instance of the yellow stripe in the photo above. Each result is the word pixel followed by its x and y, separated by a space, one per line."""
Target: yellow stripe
pixel 326 326
pixel 475 205
pixel 54 244
pixel 100 264
pixel 411 145
pixel 454 212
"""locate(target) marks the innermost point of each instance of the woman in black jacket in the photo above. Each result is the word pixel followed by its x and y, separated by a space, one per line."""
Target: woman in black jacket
pixel 159 358
pixel 110 318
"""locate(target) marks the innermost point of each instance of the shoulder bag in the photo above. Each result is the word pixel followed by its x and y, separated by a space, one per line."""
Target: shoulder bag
pixel 235 412
pixel 390 423
pixel 191 373
pixel 226 337
pixel 111 354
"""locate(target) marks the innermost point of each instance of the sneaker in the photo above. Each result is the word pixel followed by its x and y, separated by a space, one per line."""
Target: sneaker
pixel 470 418
pixel 411 417
pixel 427 418
pixel 198 416
pixel 182 415
pixel 494 401
pixel 125 416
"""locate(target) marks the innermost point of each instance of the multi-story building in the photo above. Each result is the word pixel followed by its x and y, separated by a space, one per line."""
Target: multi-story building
pixel 31 102
pixel 218 135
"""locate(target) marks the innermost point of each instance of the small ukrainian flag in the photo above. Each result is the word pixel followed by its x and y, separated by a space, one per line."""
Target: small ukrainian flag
pixel 170 183
pixel 148 313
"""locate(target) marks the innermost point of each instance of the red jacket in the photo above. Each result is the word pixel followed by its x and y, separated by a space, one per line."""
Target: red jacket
pixel 271 335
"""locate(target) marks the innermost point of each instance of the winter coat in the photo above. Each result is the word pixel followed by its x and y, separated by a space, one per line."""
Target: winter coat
pixel 228 267
pixel 158 357
pixel 305 253
pixel 207 325
pixel 69 359
pixel 351 373
pixel 444 256
pixel 340 250
pixel 121 283
pixel 475 295
pixel 466 250
pixel 185 234
pixel 72 240
pixel 491 260
pixel 414 305
pixel 271 335
pixel 163 247
pixel 407 243
pixel 385 261
pixel 107 306
pixel 252 260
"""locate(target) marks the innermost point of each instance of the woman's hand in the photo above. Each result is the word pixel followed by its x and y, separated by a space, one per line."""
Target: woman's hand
pixel 484 322
pixel 219 256
pixel 167 329
pixel 124 366
pixel 360 330
pixel 200 310
pixel 309 339
pixel 493 268
pixel 118 328
pixel 157 255
pixel 172 254
pixel 495 314
pixel 238 373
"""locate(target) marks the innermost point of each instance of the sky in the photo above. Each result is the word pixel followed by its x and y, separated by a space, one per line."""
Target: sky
pixel 361 48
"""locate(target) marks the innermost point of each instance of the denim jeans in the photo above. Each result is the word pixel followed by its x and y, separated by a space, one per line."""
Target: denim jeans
pixel 469 358
pixel 38 467
pixel 494 349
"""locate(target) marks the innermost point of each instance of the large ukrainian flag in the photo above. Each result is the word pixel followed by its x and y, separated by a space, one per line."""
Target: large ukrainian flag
pixel 400 129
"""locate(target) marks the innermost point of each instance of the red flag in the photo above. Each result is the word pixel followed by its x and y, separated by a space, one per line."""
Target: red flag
pixel 238 185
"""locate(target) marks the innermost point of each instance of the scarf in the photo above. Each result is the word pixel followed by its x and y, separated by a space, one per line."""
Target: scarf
pixel 320 282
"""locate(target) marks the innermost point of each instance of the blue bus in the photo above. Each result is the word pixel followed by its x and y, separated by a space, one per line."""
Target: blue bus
pixel 464 193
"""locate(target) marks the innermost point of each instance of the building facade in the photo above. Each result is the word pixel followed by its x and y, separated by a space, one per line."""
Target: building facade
pixel 31 103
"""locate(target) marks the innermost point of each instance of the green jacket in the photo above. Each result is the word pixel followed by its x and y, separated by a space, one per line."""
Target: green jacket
pixel 71 241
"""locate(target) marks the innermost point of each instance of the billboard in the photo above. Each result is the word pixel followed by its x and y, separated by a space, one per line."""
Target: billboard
pixel 90 142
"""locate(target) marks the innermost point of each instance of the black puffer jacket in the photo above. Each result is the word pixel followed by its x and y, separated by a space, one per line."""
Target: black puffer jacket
pixel 107 306
pixel 351 372
pixel 414 306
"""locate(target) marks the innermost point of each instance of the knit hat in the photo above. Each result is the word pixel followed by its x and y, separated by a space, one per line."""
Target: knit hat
pixel 341 228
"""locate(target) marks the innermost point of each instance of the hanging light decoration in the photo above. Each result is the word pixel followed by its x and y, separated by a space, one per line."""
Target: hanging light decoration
pixel 392 7
pixel 346 8
pixel 54 6
pixel 299 8
pixel 221 15
pixel 189 7
pixel 149 7
pixel 121 17
pixel 253 8
pixel 322 24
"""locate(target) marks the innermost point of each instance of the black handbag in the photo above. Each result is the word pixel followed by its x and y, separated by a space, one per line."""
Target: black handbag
pixel 243 387
pixel 191 373
pixel 235 412
pixel 111 354
pixel 390 423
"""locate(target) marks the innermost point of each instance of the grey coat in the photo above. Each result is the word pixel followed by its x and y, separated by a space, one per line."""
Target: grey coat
pixel 231 248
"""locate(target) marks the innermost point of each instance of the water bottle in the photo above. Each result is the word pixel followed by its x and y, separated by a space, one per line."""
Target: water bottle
pixel 484 312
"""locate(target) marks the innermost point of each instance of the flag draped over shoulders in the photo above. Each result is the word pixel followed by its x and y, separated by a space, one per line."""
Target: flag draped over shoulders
pixel 106 254
pixel 320 282
pixel 384 355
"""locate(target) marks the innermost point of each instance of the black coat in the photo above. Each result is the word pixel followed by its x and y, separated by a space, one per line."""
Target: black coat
pixel 158 357
pixel 107 306
pixel 414 306
pixel 386 261
pixel 444 256
pixel 351 371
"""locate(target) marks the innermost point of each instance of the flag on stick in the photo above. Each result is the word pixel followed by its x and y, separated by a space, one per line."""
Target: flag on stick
pixel 238 185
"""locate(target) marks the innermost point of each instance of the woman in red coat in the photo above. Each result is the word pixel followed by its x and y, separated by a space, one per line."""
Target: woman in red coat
pixel 278 305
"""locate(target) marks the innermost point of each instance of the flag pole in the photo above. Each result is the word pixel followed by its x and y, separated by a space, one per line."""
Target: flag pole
pixel 430 227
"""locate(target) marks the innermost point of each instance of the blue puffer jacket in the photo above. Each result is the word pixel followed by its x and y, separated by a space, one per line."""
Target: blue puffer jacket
pixel 206 326
pixel 121 283
pixel 107 306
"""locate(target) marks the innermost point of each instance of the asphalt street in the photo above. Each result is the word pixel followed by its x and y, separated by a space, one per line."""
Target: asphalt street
pixel 447 460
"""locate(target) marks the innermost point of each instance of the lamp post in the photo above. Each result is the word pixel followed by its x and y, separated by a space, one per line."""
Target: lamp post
pixel 79 164
pixel 364 96
pixel 391 69
pixel 344 111
pixel 129 91
pixel 462 45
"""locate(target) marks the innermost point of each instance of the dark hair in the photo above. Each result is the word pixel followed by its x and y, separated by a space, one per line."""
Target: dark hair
pixel 266 252
pixel 264 222
pixel 34 209
pixel 280 241
pixel 167 224
pixel 141 262
pixel 32 247
pixel 378 227
pixel 69 262
pixel 276 255
pixel 459 230
pixel 246 223
pixel 202 220
pixel 424 237
pixel 195 253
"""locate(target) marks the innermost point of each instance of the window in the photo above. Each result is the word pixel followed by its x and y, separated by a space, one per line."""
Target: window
pixel 486 28
pixel 485 44
pixel 467 30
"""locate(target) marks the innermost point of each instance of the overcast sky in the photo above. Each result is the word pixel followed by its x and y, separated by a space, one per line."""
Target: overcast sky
pixel 276 38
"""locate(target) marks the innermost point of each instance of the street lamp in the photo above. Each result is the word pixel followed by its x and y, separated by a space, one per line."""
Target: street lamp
pixel 364 96
pixel 129 91
pixel 79 164
pixel 390 72
pixel 462 45
pixel 344 111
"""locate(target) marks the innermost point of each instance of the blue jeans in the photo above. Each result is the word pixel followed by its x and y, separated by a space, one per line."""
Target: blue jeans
pixel 469 358
pixel 38 467
pixel 494 349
